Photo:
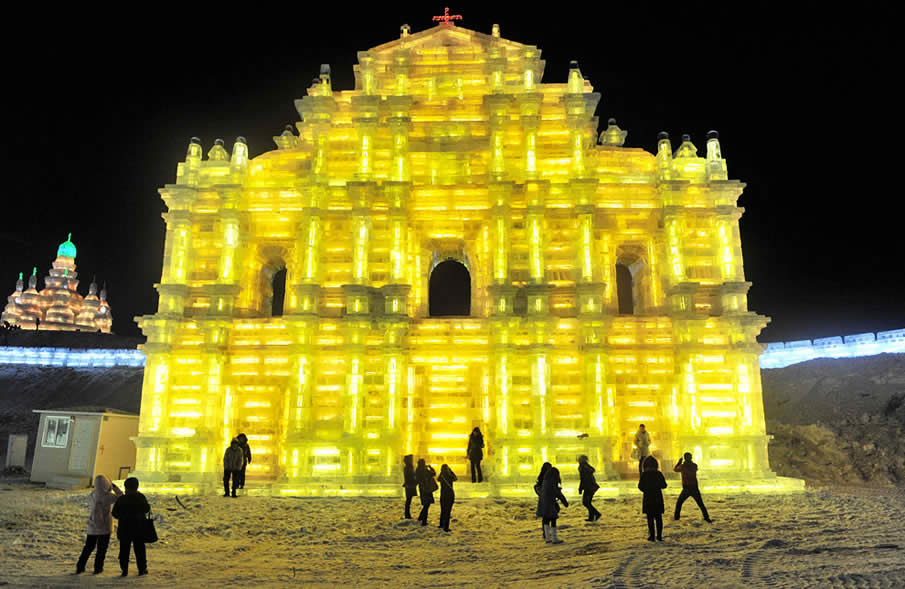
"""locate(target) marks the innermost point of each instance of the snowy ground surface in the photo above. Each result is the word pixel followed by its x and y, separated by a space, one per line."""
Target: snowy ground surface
pixel 852 537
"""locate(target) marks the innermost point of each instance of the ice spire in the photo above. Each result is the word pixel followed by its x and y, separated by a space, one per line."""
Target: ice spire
pixel 664 156
pixel 716 165
pixel 218 152
pixel 687 148
pixel 612 135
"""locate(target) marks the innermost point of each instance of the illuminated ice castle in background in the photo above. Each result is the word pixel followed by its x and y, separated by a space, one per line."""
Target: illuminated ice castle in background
pixel 606 287
pixel 58 306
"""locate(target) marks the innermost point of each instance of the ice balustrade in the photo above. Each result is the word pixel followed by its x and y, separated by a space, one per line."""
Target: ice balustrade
pixel 782 354
pixel 71 358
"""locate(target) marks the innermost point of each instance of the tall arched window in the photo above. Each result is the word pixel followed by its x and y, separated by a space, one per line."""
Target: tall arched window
pixel 450 290
pixel 278 286
pixel 624 290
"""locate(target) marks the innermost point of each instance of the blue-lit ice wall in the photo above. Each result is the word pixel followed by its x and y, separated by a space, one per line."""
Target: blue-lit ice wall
pixel 783 354
pixel 73 358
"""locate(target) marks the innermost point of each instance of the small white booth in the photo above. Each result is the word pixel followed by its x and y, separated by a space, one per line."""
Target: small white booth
pixel 76 444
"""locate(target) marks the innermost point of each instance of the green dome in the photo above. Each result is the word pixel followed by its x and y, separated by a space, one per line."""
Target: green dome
pixel 67 248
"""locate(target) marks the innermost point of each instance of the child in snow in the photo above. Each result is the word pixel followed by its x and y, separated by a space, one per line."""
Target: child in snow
pixel 447 495
pixel 652 484
pixel 587 487
pixel 548 506
pixel 425 475
pixel 409 483
pixel 100 524
pixel 130 510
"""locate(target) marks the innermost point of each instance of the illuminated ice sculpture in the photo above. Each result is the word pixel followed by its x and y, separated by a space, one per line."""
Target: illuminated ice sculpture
pixel 450 150
pixel 59 306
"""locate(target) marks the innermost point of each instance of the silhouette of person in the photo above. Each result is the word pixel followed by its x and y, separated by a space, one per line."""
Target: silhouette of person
pixel 587 486
pixel 425 474
pixel 476 454
pixel 548 505
pixel 246 453
pixel 130 509
pixel 652 484
pixel 447 495
pixel 537 488
pixel 233 459
pixel 642 446
pixel 410 484
pixel 690 488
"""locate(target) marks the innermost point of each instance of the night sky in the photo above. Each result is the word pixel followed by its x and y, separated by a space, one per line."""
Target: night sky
pixel 98 113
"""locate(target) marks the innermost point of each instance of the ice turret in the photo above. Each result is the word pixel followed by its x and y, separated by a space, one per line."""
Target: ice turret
pixel 576 80
pixel 613 136
pixel 218 153
pixel 325 88
pixel 12 313
pixel 286 139
pixel 664 156
pixel 716 165
pixel 239 160
pixel 686 149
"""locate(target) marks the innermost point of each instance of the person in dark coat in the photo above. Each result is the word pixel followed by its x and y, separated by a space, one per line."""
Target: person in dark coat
pixel 537 487
pixel 233 461
pixel 548 505
pixel 652 484
pixel 246 453
pixel 409 483
pixel 476 454
pixel 100 524
pixel 130 510
pixel 425 475
pixel 447 495
pixel 587 486
pixel 690 488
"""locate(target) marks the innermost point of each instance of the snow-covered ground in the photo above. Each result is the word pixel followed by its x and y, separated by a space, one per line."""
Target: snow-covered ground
pixel 850 537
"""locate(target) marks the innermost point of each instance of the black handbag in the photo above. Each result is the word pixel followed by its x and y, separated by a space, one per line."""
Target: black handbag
pixel 148 531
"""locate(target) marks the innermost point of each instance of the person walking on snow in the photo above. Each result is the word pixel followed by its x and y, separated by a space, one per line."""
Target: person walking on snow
pixel 475 454
pixel 447 495
pixel 537 487
pixel 690 488
pixel 246 453
pixel 548 506
pixel 409 483
pixel 642 446
pixel 587 486
pixel 130 509
pixel 652 484
pixel 233 459
pixel 425 475
pixel 100 524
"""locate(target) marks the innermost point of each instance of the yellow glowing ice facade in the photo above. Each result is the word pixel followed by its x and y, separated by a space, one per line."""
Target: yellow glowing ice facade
pixel 450 148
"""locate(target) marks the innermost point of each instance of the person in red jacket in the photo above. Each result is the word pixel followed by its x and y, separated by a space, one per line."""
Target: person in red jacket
pixel 690 488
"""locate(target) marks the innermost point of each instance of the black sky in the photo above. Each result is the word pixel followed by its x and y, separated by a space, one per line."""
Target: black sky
pixel 805 98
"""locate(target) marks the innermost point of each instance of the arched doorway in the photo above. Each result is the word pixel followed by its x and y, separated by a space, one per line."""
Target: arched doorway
pixel 278 286
pixel 449 292
pixel 624 290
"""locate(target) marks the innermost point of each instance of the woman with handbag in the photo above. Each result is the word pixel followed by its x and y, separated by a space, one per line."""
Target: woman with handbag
pixel 131 509
pixel 427 484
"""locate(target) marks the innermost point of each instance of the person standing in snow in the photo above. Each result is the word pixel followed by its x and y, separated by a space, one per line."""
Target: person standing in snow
pixel 409 483
pixel 425 475
pixel 130 509
pixel 246 454
pixel 475 454
pixel 548 505
pixel 642 446
pixel 100 524
pixel 233 459
pixel 447 495
pixel 587 486
pixel 690 488
pixel 537 487
pixel 652 484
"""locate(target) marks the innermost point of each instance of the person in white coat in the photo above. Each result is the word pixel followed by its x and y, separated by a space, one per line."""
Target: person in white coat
pixel 642 446
pixel 100 524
